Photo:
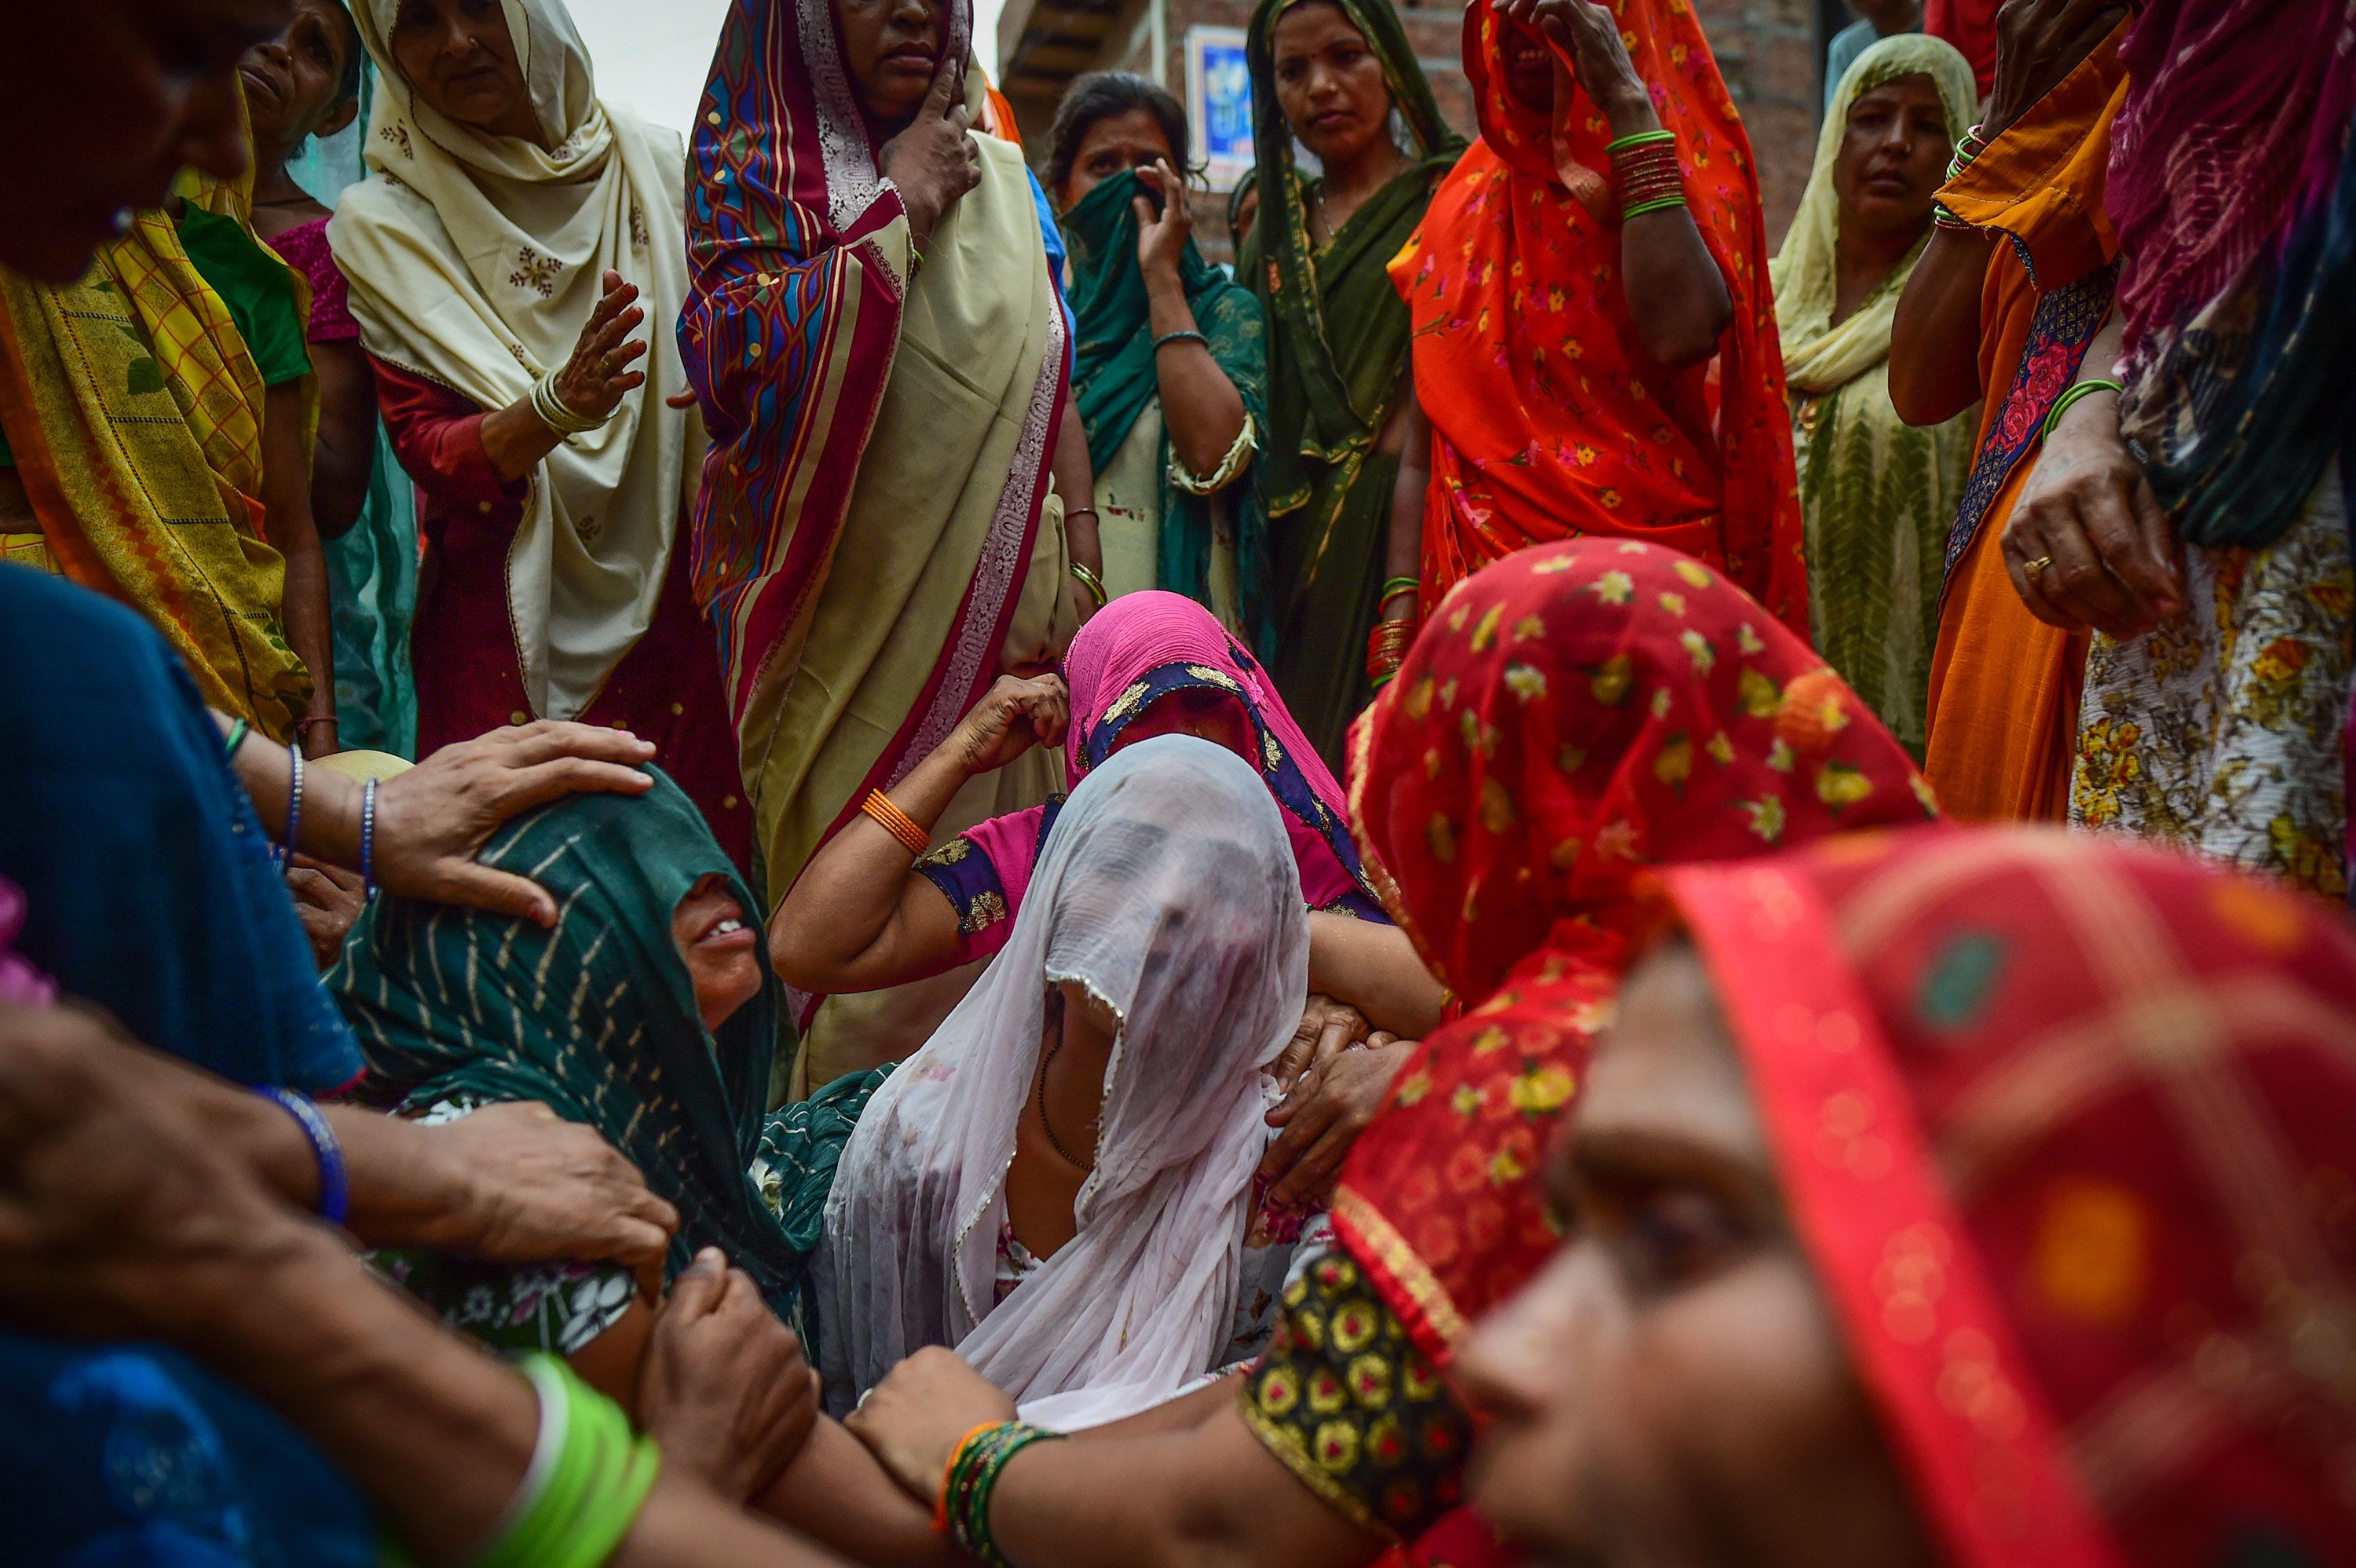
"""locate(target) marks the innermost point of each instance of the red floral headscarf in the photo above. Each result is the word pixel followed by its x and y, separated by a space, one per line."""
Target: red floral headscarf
pixel 1568 718
pixel 2068 1127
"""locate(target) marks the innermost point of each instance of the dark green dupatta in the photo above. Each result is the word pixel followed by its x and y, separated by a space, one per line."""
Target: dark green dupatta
pixel 597 1016
pixel 1330 395
pixel 1114 373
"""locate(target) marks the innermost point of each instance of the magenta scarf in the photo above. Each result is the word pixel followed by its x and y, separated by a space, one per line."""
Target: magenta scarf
pixel 1140 649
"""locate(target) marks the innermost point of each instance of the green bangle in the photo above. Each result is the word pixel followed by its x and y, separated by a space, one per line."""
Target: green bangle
pixel 973 1477
pixel 236 734
pixel 1663 205
pixel 1092 582
pixel 2061 404
pixel 1639 139
pixel 1394 586
pixel 588 1479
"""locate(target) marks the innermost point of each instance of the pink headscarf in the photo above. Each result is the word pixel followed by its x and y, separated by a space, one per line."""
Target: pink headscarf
pixel 1142 648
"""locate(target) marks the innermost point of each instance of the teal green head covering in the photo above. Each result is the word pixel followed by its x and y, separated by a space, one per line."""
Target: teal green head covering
pixel 595 1017
pixel 1113 369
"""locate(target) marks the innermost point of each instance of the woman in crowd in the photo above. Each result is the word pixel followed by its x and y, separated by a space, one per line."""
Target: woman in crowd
pixel 2003 306
pixel 156 415
pixel 1572 717
pixel 304 88
pixel 1877 496
pixel 2217 702
pixel 1168 359
pixel 1946 1194
pixel 487 262
pixel 1332 76
pixel 1153 663
pixel 871 281
pixel 1601 301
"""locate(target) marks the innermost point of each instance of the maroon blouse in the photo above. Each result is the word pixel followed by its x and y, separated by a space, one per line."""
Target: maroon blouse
pixel 667 687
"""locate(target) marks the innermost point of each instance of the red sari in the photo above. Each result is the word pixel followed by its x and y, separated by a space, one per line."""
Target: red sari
pixel 1568 720
pixel 1547 419
pixel 2063 1126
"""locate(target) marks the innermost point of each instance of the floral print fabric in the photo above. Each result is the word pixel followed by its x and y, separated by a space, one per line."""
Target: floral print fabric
pixel 2220 730
pixel 1350 1405
pixel 2063 1125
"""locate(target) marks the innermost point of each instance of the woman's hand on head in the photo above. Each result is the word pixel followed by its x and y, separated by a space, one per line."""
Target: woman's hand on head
pixel 1335 1100
pixel 2038 42
pixel 724 1387
pixel 1599 56
pixel 935 161
pixel 598 375
pixel 431 819
pixel 914 1419
pixel 543 1190
pixel 1015 715
pixel 2088 543
pixel 1161 236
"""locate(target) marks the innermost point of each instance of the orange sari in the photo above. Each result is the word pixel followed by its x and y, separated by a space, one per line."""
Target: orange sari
pixel 1547 420
pixel 2004 685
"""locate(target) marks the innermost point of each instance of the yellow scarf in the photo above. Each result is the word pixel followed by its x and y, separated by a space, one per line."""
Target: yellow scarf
pixel 135 412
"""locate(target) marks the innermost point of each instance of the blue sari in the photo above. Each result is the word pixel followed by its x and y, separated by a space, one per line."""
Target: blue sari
pixel 150 891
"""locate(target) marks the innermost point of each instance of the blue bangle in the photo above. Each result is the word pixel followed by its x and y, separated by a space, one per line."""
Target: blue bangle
pixel 294 803
pixel 368 839
pixel 335 1188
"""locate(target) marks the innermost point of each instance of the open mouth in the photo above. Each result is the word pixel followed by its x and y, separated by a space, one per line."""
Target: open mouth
pixel 729 931
pixel 256 81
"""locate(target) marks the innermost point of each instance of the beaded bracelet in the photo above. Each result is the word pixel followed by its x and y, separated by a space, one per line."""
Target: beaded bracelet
pixel 294 808
pixel 588 1478
pixel 972 1476
pixel 335 1185
pixel 896 821
pixel 1170 337
pixel 368 839
pixel 2061 404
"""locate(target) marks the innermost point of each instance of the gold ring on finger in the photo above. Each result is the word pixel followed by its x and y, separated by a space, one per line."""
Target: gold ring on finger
pixel 2036 568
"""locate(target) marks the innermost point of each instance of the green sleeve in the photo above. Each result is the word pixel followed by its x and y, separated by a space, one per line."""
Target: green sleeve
pixel 258 290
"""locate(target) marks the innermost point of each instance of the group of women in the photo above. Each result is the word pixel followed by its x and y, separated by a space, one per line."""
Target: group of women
pixel 1622 1124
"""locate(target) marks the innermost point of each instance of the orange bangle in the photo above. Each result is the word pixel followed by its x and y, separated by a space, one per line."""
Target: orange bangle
pixel 941 1499
pixel 896 821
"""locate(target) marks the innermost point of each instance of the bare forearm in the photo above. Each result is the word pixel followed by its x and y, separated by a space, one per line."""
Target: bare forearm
pixel 1075 484
pixel 1201 409
pixel 343 458
pixel 516 439
pixel 286 500
pixel 1676 297
pixel 436 1435
pixel 1404 551
pixel 330 827
pixel 846 899
pixel 1935 343
pixel 837 1494
pixel 1213 1494
pixel 1376 969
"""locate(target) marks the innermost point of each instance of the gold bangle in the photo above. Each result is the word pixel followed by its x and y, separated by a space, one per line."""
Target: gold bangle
pixel 898 823
pixel 1092 582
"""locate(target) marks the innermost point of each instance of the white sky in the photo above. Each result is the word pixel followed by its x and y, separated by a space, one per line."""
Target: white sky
pixel 653 55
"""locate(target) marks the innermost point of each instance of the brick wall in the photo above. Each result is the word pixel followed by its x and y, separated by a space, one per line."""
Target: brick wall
pixel 1767 49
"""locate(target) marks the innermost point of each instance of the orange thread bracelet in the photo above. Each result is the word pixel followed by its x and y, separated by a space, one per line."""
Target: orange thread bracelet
pixel 896 821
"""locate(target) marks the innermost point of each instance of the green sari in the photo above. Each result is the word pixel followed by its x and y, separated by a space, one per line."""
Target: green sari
pixel 1114 377
pixel 595 1017
pixel 1329 490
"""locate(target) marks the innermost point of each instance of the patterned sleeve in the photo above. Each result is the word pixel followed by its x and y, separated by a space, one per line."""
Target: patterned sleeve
pixel 969 878
pixel 1353 1409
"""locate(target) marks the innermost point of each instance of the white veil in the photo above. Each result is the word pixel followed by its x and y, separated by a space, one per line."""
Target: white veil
pixel 1168 888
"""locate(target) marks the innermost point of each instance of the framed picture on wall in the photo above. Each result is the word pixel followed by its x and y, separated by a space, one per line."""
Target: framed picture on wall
pixel 1219 101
